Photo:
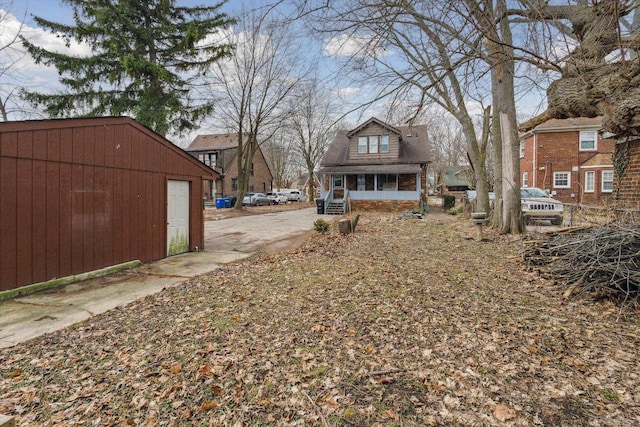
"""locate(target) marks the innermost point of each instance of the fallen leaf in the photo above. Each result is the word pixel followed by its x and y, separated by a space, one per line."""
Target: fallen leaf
pixel 208 405
pixel 503 413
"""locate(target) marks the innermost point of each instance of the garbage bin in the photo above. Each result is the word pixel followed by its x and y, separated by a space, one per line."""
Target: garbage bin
pixel 320 206
pixel 230 201
pixel 219 203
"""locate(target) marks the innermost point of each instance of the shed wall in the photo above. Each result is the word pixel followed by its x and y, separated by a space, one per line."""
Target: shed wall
pixel 78 196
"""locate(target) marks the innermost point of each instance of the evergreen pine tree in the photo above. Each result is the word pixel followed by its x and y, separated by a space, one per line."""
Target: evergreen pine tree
pixel 146 57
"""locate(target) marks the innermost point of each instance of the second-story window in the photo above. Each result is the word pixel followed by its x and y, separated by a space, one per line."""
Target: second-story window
pixel 521 149
pixel 373 144
pixel 588 141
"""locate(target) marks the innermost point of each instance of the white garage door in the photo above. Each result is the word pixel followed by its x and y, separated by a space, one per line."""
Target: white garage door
pixel 177 217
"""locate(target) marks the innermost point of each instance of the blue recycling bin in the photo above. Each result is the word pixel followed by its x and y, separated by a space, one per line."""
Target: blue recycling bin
pixel 219 203
pixel 227 202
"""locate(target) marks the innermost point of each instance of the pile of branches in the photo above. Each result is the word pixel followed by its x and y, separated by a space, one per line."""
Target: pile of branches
pixel 600 262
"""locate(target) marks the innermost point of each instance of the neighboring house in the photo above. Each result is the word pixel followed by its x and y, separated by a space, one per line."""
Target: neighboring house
pixel 375 166
pixel 303 183
pixel 568 158
pixel 80 195
pixel 628 189
pixel 455 180
pixel 220 152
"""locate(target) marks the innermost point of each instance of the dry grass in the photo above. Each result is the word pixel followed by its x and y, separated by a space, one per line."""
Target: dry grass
pixel 405 322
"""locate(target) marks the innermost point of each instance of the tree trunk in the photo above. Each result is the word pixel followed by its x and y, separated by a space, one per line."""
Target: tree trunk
pixel 346 226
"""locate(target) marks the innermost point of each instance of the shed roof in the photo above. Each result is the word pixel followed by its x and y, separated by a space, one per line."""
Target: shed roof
pixel 599 159
pixel 65 123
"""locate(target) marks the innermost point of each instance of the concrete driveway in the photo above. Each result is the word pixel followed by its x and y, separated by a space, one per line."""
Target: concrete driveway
pixel 226 240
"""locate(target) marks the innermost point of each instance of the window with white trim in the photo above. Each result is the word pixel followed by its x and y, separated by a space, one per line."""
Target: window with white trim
pixel 562 180
pixel 588 141
pixel 362 145
pixel 525 179
pixel 384 143
pixel 589 182
pixel 521 149
pixel 607 181
pixel 373 144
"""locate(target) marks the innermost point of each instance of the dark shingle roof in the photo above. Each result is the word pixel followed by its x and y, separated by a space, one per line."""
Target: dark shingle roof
pixel 414 148
pixel 219 141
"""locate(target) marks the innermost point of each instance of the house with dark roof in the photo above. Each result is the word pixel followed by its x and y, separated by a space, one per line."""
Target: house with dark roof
pixel 570 159
pixel 219 151
pixel 375 166
pixel 303 183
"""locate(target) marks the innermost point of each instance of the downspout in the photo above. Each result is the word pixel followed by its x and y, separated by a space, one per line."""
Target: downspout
pixel 535 161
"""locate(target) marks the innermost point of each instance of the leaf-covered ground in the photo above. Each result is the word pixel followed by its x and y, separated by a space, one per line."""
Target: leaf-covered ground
pixel 406 322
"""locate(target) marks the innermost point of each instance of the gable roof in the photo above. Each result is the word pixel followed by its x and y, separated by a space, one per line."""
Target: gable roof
pixel 570 124
pixel 414 147
pixel 63 123
pixel 218 141
pixel 451 177
pixel 376 121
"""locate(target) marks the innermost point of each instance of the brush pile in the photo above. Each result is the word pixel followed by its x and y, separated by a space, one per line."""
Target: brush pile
pixel 600 262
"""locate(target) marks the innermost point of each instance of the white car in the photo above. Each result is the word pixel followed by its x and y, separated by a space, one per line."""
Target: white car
pixel 278 197
pixel 293 196
pixel 537 204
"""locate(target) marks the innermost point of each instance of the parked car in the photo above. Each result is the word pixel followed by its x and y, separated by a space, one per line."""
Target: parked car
pixel 247 200
pixel 293 196
pixel 277 197
pixel 535 204
pixel 261 199
pixel 471 195
pixel 538 204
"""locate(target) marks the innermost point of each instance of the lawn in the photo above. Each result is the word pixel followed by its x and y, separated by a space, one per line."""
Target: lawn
pixel 405 322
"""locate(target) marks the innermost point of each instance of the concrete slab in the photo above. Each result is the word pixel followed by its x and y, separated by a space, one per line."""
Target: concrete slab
pixel 226 241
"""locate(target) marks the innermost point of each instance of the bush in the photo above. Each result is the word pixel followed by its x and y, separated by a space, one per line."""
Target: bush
pixel 321 226
pixel 448 201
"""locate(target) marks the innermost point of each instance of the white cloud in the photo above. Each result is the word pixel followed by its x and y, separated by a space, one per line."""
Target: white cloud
pixel 347 92
pixel 9 29
pixel 349 45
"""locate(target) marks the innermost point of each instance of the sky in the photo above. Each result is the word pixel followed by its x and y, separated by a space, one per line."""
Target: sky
pixel 333 52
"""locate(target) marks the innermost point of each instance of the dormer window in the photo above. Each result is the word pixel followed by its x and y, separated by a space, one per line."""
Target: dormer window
pixel 373 144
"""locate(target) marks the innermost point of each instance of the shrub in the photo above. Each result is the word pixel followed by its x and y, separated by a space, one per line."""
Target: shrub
pixel 321 226
pixel 448 201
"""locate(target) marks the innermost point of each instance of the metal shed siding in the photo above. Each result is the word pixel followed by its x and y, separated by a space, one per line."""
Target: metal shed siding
pixel 82 194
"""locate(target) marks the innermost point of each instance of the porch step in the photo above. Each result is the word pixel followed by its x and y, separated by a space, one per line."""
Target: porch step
pixel 334 208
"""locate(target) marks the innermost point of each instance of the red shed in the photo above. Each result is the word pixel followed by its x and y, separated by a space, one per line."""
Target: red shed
pixel 78 195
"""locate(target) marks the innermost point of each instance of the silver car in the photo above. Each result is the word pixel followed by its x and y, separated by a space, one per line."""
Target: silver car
pixel 538 204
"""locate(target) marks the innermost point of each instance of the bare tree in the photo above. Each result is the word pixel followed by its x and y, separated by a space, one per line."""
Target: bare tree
pixel 12 81
pixel 435 61
pixel 313 124
pixel 254 85
pixel 279 154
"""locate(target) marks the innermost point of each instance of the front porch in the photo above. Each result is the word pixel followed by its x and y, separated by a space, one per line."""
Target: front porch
pixel 374 191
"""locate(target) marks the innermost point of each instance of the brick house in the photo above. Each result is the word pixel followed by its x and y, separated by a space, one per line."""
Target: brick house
pixel 375 166
pixel 219 151
pixel 629 184
pixel 303 183
pixel 569 158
